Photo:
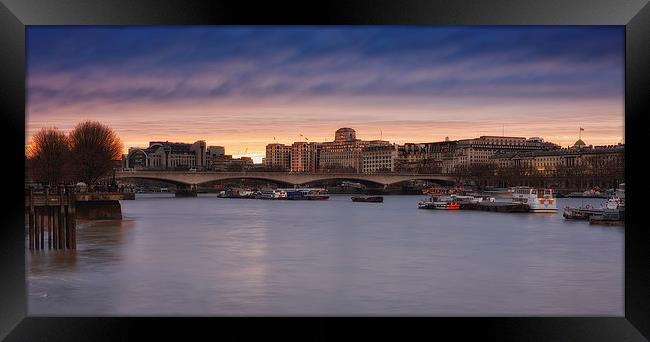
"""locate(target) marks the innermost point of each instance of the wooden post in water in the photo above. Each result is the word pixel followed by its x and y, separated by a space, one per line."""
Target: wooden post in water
pixel 31 218
pixel 61 232
pixel 68 219
pixel 55 228
pixel 49 227
pixel 41 237
pixel 48 212
pixel 36 227
pixel 73 218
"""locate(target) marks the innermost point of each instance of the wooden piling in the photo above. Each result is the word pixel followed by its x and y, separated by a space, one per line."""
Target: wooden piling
pixel 68 232
pixel 53 215
pixel 61 232
pixel 68 221
pixel 48 213
pixel 37 220
pixel 49 227
pixel 41 237
pixel 55 228
pixel 31 218
pixel 73 222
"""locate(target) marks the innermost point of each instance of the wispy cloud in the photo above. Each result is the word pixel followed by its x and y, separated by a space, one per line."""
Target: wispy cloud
pixel 234 85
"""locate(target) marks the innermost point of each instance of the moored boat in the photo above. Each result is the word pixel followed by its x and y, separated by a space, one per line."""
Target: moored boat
pixel 370 199
pixel 439 203
pixel 539 200
pixel 609 217
pixel 613 208
pixel 268 194
pixel 578 213
pixel 236 193
pixel 317 195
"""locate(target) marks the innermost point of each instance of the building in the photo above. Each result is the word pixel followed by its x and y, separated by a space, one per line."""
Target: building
pixel 226 163
pixel 278 155
pixel 446 156
pixel 378 158
pixel 305 156
pixel 214 151
pixel 167 155
pixel 480 150
pixel 136 158
pixel 345 153
pixel 424 157
pixel 577 157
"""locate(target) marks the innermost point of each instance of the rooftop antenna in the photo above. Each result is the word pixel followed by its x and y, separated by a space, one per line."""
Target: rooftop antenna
pixel 381 135
pixel 503 130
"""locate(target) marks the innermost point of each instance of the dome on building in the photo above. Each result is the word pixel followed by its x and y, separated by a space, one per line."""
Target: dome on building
pixel 345 134
pixel 579 143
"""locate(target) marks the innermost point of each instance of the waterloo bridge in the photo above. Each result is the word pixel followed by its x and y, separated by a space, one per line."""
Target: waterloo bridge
pixel 192 179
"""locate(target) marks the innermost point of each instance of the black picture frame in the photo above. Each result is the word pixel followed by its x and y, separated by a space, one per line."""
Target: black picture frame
pixel 15 325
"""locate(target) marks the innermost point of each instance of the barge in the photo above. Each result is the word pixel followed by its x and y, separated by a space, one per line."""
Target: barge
pixel 311 194
pixel 503 207
pixel 368 199
pixel 610 211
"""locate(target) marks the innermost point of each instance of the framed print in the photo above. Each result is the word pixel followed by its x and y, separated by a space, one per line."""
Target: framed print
pixel 459 166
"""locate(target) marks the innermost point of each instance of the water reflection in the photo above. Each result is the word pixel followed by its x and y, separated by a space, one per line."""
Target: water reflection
pixel 238 257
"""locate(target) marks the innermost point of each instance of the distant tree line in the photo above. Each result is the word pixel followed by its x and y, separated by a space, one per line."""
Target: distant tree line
pixel 87 153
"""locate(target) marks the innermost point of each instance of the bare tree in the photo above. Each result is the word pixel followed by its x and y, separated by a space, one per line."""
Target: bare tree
pixel 94 148
pixel 47 156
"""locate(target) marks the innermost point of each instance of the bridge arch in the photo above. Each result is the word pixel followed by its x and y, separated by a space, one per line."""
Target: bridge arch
pixel 267 179
pixel 361 180
pixel 160 179
pixel 428 179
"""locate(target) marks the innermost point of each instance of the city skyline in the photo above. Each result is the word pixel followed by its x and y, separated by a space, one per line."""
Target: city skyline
pixel 153 139
pixel 241 88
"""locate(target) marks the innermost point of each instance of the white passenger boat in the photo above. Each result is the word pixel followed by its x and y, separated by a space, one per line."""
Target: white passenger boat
pixel 539 200
pixel 620 194
pixel 614 203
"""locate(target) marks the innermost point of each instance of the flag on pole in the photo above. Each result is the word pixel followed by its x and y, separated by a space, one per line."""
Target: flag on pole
pixel 582 129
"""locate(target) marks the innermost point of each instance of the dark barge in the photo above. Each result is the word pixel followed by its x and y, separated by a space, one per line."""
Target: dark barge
pixel 368 199
pixel 502 207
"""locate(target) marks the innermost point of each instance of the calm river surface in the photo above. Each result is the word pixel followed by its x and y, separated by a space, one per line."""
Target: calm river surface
pixel 211 256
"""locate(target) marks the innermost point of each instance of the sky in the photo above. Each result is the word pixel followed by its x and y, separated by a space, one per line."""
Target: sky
pixel 245 87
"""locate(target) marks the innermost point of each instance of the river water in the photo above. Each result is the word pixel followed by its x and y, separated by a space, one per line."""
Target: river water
pixel 211 256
